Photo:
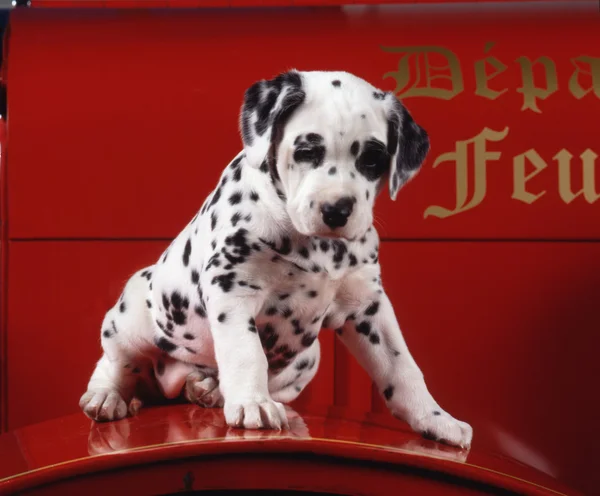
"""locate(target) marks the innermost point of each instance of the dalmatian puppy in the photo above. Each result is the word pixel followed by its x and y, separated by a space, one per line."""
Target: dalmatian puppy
pixel 284 246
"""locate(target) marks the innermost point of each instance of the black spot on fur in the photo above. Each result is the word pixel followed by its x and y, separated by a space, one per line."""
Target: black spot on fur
pixel 179 317
pixel 148 303
pixel 187 251
pixel 195 276
pixel 237 247
pixel 178 301
pixel 435 412
pixel 122 307
pixel 339 250
pixel 188 336
pixel 222 317
pixel 237 174
pixel 364 328
pixel 302 364
pixel 374 338
pixel 225 281
pixel 254 196
pixel 213 261
pixel 286 313
pixel 388 392
pixel 165 345
pixel 354 148
pixel 235 198
pixel 284 249
pixel 213 220
pixel 378 95
pixel 271 311
pixel 372 309
pixel 216 197
pixel 312 293
pixel 336 83
pixel 308 340
pixel 303 252
pixel 252 325
pixel 235 218
pixel 236 162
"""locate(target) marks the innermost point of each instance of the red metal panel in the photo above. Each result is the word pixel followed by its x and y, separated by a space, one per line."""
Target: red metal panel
pixel 353 387
pixel 136 122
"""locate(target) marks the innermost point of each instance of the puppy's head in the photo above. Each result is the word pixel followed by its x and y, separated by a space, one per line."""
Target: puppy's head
pixel 332 140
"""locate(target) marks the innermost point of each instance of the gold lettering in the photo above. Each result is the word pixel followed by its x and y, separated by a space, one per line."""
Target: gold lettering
pixel 421 85
pixel 529 90
pixel 520 178
pixel 482 77
pixel 459 157
pixel 593 71
pixel 588 159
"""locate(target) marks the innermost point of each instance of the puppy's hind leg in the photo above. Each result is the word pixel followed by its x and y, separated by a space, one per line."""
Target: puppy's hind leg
pixel 111 389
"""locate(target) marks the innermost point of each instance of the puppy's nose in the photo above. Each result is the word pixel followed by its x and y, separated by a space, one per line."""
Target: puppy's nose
pixel 336 214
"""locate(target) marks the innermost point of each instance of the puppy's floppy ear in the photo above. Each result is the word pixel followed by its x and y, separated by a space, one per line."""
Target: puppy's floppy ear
pixel 267 106
pixel 408 144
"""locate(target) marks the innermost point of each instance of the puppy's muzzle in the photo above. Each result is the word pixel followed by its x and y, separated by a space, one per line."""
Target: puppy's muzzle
pixel 336 214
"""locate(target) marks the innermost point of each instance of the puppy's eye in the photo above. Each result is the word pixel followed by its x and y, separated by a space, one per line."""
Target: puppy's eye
pixel 313 155
pixel 373 163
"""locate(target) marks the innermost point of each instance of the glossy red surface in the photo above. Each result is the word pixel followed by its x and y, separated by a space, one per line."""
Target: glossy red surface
pixel 172 448
pixel 111 154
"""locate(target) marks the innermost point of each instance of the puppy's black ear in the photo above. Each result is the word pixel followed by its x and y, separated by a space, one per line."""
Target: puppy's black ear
pixel 408 144
pixel 267 106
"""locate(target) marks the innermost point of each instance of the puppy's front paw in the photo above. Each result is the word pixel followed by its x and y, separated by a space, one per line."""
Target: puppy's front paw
pixel 259 413
pixel 104 405
pixel 442 427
